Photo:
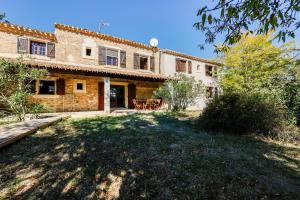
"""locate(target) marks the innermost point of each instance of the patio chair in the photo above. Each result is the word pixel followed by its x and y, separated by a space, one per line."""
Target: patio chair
pixel 148 104
pixel 137 105
pixel 156 104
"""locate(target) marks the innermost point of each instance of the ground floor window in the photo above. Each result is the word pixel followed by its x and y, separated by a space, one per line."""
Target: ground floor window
pixel 47 87
pixel 80 86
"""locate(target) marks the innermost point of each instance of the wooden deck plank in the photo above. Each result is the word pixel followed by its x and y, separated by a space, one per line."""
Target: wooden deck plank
pixel 13 132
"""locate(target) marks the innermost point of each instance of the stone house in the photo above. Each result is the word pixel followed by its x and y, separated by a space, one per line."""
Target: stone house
pixel 90 71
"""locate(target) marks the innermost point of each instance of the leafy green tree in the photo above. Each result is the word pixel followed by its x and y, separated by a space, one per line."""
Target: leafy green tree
pixel 255 65
pixel 233 18
pixel 2 18
pixel 180 91
pixel 16 83
pixel 291 89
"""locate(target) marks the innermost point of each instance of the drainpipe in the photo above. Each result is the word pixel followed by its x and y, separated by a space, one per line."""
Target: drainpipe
pixel 159 58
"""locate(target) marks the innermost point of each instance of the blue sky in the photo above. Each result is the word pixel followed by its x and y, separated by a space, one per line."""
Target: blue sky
pixel 171 21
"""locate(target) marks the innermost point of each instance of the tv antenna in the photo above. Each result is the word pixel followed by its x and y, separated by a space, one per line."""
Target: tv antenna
pixel 103 24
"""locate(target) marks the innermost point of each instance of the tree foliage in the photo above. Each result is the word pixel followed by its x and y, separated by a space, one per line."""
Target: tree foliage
pixel 255 65
pixel 3 18
pixel 180 91
pixel 253 62
pixel 233 18
pixel 15 83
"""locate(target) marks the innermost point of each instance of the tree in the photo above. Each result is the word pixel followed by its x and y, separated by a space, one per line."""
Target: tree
pixel 16 82
pixel 233 18
pixel 252 62
pixel 180 91
pixel 2 18
pixel 255 65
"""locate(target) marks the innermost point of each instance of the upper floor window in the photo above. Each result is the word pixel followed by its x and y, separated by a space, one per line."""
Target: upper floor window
pixel 190 67
pixel 88 51
pixel 112 57
pixel 180 65
pixel 38 48
pixel 26 45
pixel 209 70
pixel 143 62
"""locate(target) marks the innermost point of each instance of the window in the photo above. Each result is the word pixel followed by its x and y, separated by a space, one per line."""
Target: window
pixel 112 61
pixel 112 57
pixel 47 87
pixel 79 86
pixel 38 48
pixel 123 59
pixel 88 51
pixel 209 70
pixel 180 65
pixel 209 92
pixel 190 67
pixel 143 63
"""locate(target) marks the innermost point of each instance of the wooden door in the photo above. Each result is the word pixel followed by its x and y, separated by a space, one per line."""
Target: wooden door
pixel 101 96
pixel 131 95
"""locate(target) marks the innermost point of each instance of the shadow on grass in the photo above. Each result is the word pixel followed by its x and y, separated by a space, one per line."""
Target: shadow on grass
pixel 152 156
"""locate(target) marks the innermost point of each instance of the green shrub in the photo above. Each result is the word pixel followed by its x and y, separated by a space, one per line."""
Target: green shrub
pixel 245 113
pixel 36 110
pixel 16 81
pixel 180 91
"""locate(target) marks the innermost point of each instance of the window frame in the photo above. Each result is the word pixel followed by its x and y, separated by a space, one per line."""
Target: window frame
pixel 148 62
pixel 83 82
pixel 210 92
pixel 113 48
pixel 209 73
pixel 86 51
pixel 148 57
pixel 118 57
pixel 38 86
pixel 37 41
pixel 186 65
pixel 83 52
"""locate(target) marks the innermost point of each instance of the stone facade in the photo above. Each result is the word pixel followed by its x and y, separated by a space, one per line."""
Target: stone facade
pixel 71 101
pixel 71 44
pixel 71 48
pixel 88 100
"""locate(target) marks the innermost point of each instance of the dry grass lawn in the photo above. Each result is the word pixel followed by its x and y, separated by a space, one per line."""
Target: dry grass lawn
pixel 146 156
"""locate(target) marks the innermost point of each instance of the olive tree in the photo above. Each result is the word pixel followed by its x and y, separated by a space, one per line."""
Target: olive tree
pixel 180 91
pixel 16 82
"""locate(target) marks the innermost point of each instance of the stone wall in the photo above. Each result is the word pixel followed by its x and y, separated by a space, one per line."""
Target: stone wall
pixel 71 47
pixel 72 101
pixel 87 101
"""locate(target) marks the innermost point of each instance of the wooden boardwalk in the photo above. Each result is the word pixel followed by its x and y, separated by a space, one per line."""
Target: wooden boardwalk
pixel 13 132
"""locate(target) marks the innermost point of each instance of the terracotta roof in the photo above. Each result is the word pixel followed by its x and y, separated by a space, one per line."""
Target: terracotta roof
pixel 20 30
pixel 95 69
pixel 103 36
pixel 174 53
